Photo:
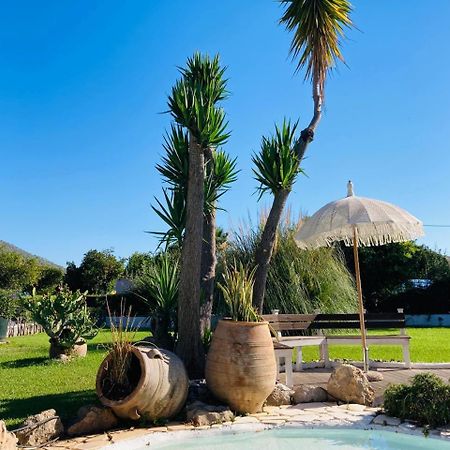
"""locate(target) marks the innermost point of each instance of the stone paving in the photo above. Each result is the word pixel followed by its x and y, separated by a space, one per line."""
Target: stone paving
pixel 308 415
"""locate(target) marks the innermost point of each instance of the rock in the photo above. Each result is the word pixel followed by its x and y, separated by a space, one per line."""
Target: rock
pixel 308 393
pixel 281 395
pixel 8 441
pixel 93 419
pixel 374 376
pixel 201 414
pixel 40 429
pixel 349 384
pixel 382 419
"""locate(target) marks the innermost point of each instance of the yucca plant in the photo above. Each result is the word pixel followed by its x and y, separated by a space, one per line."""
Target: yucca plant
pixel 194 106
pixel 317 26
pixel 158 287
pixel 276 168
pixel 237 290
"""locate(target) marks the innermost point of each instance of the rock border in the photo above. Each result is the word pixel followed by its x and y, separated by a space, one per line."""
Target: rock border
pixel 304 415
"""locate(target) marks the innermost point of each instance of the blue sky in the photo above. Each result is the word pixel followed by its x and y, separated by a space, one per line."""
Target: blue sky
pixel 83 84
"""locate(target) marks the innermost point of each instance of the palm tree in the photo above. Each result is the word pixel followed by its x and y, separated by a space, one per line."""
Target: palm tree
pixel 193 106
pixel 277 166
pixel 317 26
pixel 220 172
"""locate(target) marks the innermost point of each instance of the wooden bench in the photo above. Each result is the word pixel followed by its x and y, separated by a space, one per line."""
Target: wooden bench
pixel 288 328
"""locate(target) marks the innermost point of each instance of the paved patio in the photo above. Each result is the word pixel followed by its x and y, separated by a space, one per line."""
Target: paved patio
pixel 391 376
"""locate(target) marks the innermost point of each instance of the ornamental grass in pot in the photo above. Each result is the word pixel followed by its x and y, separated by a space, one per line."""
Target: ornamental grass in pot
pixel 139 380
pixel 241 366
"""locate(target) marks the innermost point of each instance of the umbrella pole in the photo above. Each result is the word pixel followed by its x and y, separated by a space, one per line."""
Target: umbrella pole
pixel 360 300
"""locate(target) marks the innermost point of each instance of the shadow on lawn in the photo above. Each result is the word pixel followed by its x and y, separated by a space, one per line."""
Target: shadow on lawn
pixel 26 362
pixel 66 405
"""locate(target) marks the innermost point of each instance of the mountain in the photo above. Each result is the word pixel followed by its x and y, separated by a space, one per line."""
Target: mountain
pixel 12 248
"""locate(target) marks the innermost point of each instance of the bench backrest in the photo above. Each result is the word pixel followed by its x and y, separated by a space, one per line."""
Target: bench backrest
pixel 293 322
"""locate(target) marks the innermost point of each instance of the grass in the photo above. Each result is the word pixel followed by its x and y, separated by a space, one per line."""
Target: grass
pixel 30 382
pixel 426 345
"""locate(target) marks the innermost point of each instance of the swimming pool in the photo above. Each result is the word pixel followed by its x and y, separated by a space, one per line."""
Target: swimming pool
pixel 293 438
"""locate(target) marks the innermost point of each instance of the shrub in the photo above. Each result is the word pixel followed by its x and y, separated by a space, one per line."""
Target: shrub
pixel 64 316
pixel 426 400
pixel 8 304
pixel 158 285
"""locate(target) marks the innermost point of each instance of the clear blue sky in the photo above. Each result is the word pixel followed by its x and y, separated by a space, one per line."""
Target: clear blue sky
pixel 82 85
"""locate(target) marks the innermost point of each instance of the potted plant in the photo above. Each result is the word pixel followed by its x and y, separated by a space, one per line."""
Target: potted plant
pixel 66 320
pixel 241 366
pixel 8 307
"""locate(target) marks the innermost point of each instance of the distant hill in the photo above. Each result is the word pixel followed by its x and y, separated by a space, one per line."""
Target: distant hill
pixel 12 248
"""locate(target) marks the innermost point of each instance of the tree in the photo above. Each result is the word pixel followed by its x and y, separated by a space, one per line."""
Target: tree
pixel 220 172
pixel 317 26
pixel 17 272
pixel 50 278
pixel 97 272
pixel 193 106
pixel 388 270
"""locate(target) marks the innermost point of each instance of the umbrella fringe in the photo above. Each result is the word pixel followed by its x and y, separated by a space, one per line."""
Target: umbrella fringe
pixel 370 234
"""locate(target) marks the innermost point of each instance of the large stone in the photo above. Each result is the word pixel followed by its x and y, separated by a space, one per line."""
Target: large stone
pixel 8 441
pixel 308 393
pixel 281 395
pixel 349 384
pixel 93 419
pixel 40 429
pixel 201 414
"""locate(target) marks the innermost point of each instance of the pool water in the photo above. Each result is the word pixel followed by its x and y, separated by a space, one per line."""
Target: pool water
pixel 295 438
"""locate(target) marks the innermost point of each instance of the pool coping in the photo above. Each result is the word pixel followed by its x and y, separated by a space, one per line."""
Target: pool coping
pixel 303 415
pixel 174 436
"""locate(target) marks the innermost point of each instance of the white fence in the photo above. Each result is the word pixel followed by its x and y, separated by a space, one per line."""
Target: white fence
pixel 22 328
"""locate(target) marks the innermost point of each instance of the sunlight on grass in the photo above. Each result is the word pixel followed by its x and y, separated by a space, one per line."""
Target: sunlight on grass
pixel 427 345
pixel 30 382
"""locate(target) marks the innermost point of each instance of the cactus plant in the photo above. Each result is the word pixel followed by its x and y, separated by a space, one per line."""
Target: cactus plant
pixel 64 317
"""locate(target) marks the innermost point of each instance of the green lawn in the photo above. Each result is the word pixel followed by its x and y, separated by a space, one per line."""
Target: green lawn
pixel 427 345
pixel 30 382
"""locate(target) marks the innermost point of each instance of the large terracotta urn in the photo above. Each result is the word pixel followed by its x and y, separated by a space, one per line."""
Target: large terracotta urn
pixel 240 366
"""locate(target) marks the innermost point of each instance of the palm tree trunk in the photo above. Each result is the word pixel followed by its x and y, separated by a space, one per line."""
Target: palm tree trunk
pixel 307 135
pixel 208 258
pixel 189 346
pixel 208 270
pixel 266 246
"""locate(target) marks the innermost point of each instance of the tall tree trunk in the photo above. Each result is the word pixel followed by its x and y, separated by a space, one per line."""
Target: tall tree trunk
pixel 267 243
pixel 265 248
pixel 208 269
pixel 189 345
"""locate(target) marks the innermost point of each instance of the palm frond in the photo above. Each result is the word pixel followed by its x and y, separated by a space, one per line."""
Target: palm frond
pixel 194 98
pixel 277 164
pixel 173 214
pixel 318 26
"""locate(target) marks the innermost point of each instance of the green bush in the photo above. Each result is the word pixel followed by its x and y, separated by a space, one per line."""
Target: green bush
pixel 64 317
pixel 8 304
pixel 426 400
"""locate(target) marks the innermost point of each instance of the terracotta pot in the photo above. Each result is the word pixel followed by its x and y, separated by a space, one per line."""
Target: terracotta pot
pixel 240 366
pixel 161 385
pixel 77 351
